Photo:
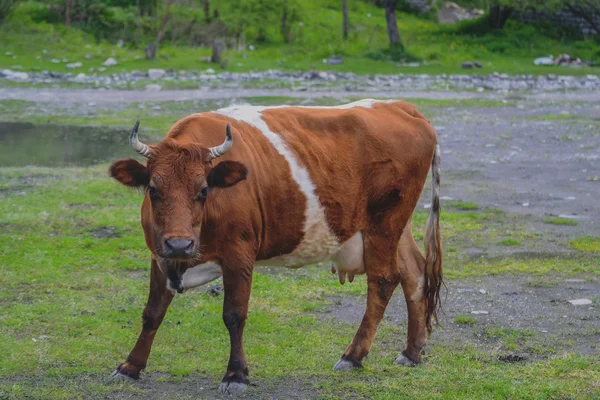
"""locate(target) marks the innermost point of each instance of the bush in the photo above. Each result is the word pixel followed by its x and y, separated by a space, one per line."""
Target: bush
pixel 5 7
pixel 393 54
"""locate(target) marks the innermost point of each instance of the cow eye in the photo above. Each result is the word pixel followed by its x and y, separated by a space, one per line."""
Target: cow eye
pixel 152 192
pixel 203 193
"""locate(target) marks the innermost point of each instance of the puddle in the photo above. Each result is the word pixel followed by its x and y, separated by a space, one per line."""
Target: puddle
pixel 60 145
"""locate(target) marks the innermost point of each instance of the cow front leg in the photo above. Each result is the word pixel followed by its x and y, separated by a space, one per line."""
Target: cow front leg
pixel 159 299
pixel 383 276
pixel 237 285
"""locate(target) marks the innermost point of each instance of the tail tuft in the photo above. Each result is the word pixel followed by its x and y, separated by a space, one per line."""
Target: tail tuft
pixel 433 246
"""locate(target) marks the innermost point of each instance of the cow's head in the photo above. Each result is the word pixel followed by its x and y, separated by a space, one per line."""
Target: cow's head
pixel 177 180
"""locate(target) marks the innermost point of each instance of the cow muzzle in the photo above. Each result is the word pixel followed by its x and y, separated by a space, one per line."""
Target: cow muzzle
pixel 178 248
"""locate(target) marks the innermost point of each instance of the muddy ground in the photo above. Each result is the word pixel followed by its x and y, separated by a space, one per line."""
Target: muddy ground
pixel 532 160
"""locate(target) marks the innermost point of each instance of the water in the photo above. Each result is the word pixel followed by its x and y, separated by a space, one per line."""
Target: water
pixel 60 145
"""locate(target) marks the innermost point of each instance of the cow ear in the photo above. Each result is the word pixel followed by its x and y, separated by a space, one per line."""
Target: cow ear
pixel 130 173
pixel 226 174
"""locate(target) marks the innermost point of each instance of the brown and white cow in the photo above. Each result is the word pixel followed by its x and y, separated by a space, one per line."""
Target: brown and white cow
pixel 289 186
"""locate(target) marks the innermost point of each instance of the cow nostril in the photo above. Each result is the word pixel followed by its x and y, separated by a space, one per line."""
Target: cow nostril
pixel 179 245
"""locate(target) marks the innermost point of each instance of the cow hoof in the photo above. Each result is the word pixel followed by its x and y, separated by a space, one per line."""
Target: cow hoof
pixel 347 364
pixel 233 388
pixel 117 376
pixel 122 373
pixel 405 361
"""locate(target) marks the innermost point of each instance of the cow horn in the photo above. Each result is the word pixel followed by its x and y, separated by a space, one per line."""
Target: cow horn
pixel 218 151
pixel 138 146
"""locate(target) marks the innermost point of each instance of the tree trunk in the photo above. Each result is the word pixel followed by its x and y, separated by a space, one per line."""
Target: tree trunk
pixel 217 49
pixel 346 23
pixel 207 11
pixel 499 15
pixel 160 34
pixel 285 27
pixel 390 18
pixel 68 7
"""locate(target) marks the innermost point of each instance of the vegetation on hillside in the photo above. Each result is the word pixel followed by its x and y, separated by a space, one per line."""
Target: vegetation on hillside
pixel 274 34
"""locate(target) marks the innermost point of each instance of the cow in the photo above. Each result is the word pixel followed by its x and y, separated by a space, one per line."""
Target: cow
pixel 289 186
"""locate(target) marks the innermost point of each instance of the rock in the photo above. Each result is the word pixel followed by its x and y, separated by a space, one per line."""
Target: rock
pixel 580 302
pixel 153 87
pixel 55 61
pixel 215 290
pixel 8 53
pixel 88 56
pixel 74 65
pixel 92 104
pixel 80 78
pixel 477 64
pixel 544 60
pixel 156 73
pixel 15 76
pixel 482 291
pixel 210 71
pixel 467 65
pixel 101 69
pixel 479 312
pixel 480 89
pixel 451 13
pixel 109 62
pixel 334 60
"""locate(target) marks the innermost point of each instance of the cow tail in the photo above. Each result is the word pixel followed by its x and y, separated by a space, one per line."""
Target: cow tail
pixel 433 246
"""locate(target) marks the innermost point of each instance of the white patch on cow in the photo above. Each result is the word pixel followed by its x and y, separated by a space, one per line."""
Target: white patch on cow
pixel 319 243
pixel 200 275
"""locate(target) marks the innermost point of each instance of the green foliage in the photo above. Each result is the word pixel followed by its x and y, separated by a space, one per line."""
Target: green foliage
pixel 510 242
pixel 560 221
pixel 465 320
pixel 589 244
pixel 5 7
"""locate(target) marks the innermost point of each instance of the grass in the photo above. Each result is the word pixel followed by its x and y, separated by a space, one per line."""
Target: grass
pixel 80 297
pixel 589 244
pixel 560 221
pixel 510 242
pixel 35 44
pixel 464 205
pixel 465 320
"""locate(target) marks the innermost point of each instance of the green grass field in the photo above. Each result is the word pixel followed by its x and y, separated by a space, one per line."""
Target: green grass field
pixel 33 45
pixel 74 274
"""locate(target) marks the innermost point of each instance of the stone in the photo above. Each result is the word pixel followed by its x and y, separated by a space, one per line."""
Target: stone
pixel 55 61
pixel 156 73
pixel 153 87
pixel 580 302
pixel 88 56
pixel 101 69
pixel 15 76
pixel 74 65
pixel 467 65
pixel 80 78
pixel 544 60
pixel 477 64
pixel 479 312
pixel 210 71
pixel 335 60
pixel 451 13
pixel 109 62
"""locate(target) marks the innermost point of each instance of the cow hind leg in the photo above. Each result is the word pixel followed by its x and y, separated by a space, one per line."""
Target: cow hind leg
pixel 159 300
pixel 412 267
pixel 383 276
